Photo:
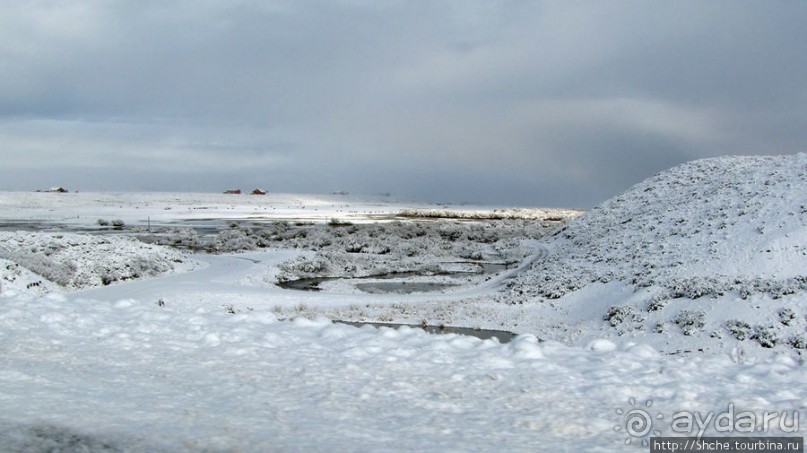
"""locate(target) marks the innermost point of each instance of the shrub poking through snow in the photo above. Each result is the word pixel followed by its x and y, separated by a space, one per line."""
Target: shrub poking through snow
pixel 624 316
pixel 658 302
pixel 690 321
pixel 739 329
pixel 798 342
pixel 786 316
pixel 765 336
pixel 617 314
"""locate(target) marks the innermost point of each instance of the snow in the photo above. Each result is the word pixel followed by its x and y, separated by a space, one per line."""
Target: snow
pixel 79 261
pixel 130 374
pixel 723 237
pixel 85 209
pixel 15 279
pixel 685 293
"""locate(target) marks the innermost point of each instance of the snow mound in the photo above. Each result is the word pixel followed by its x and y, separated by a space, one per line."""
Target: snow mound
pixel 76 261
pixel 15 280
pixel 709 255
pixel 705 228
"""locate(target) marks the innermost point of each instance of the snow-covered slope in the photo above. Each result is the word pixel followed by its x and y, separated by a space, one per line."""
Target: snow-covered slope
pixel 77 261
pixel 15 279
pixel 730 227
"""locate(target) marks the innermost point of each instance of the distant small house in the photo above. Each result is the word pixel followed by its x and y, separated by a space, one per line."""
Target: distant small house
pixel 258 192
pixel 233 191
pixel 57 190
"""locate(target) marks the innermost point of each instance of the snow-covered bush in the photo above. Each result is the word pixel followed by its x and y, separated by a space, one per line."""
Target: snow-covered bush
pixel 658 302
pixel 235 239
pixel 619 314
pixel 798 342
pixel 739 329
pixel 766 336
pixel 786 316
pixel 690 321
pixel 694 287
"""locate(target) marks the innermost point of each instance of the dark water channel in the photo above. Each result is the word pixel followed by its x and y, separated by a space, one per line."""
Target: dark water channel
pixel 401 287
pixel 502 336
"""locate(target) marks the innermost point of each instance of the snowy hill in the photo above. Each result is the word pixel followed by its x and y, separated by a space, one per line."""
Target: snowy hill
pixel 714 229
pixel 34 263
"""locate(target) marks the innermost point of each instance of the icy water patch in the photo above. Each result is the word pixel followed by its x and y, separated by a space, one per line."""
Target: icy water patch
pixel 402 287
pixel 306 284
pixel 502 336
pixel 397 287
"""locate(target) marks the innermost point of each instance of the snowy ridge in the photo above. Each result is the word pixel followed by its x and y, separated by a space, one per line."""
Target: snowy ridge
pixel 707 227
pixel 729 226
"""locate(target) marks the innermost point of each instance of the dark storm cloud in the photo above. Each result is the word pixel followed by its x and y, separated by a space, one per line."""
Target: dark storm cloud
pixel 502 102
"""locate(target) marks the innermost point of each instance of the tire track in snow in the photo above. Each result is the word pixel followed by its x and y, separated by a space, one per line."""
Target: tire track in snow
pixel 541 253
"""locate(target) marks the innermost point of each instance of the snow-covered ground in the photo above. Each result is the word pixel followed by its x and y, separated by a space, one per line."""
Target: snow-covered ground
pixel 83 210
pixel 685 294
pixel 132 375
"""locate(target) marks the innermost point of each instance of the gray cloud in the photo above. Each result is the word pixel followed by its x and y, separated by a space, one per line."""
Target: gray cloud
pixel 502 102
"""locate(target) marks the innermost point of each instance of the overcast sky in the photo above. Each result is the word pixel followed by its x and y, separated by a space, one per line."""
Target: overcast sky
pixel 505 102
